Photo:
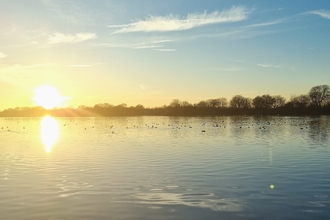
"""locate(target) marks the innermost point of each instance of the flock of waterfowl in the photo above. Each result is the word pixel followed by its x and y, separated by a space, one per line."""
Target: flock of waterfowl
pixel 261 125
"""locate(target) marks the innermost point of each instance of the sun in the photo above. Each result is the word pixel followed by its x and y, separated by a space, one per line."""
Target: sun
pixel 48 97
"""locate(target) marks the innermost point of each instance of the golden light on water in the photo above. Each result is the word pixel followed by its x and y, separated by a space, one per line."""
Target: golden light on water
pixel 48 97
pixel 49 132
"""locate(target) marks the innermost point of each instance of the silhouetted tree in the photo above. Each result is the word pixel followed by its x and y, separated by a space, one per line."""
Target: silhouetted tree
pixel 122 105
pixel 103 105
pixel 268 101
pixel 239 101
pixel 175 103
pixel 214 103
pixel 202 104
pixel 301 101
pixel 258 102
pixel 223 102
pixel 319 95
pixel 185 104
pixel 217 103
pixel 139 106
pixel 279 101
pixel 264 102
pixel 317 102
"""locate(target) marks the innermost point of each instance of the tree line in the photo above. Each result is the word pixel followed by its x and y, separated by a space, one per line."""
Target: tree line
pixel 315 102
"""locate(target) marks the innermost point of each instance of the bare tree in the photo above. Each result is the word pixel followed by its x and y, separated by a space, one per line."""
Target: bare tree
pixel 247 103
pixel 265 102
pixel 103 105
pixel 223 102
pixel 239 101
pixel 175 103
pixel 122 105
pixel 202 104
pixel 213 103
pixel 319 95
pixel 217 103
pixel 258 102
pixel 185 104
pixel 279 101
pixel 268 101
pixel 301 101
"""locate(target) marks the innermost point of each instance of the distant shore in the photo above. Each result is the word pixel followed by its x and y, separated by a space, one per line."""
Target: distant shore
pixel 316 102
pixel 118 111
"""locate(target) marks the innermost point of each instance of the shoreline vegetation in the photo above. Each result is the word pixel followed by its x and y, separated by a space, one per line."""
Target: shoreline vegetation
pixel 316 102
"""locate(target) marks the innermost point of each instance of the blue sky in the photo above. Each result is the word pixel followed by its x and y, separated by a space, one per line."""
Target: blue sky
pixel 150 52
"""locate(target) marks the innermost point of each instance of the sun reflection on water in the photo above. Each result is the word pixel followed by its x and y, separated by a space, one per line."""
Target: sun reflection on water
pixel 49 132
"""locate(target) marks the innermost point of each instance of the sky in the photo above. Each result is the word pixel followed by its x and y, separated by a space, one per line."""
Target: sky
pixel 150 52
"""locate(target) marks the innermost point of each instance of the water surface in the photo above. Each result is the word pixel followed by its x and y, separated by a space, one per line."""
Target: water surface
pixel 165 168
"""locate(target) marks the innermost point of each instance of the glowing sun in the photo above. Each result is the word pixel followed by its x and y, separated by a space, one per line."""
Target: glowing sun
pixel 48 97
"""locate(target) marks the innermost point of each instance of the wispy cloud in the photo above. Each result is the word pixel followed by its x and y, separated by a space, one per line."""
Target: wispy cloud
pixel 264 24
pixel 150 45
pixel 177 23
pixel 57 37
pixel 2 55
pixel 165 50
pixel 147 46
pixel 136 43
pixel 269 66
pixel 323 13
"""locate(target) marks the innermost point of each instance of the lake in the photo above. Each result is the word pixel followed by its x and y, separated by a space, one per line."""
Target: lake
pixel 165 168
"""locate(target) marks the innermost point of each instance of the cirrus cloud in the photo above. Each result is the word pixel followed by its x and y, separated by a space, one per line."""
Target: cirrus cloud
pixel 57 37
pixel 269 66
pixel 322 13
pixel 176 23
pixel 166 50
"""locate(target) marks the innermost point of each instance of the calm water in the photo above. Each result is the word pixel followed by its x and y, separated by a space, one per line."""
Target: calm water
pixel 165 168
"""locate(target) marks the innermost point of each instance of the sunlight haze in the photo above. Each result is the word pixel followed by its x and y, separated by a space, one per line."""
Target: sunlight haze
pixel 128 52
pixel 48 97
